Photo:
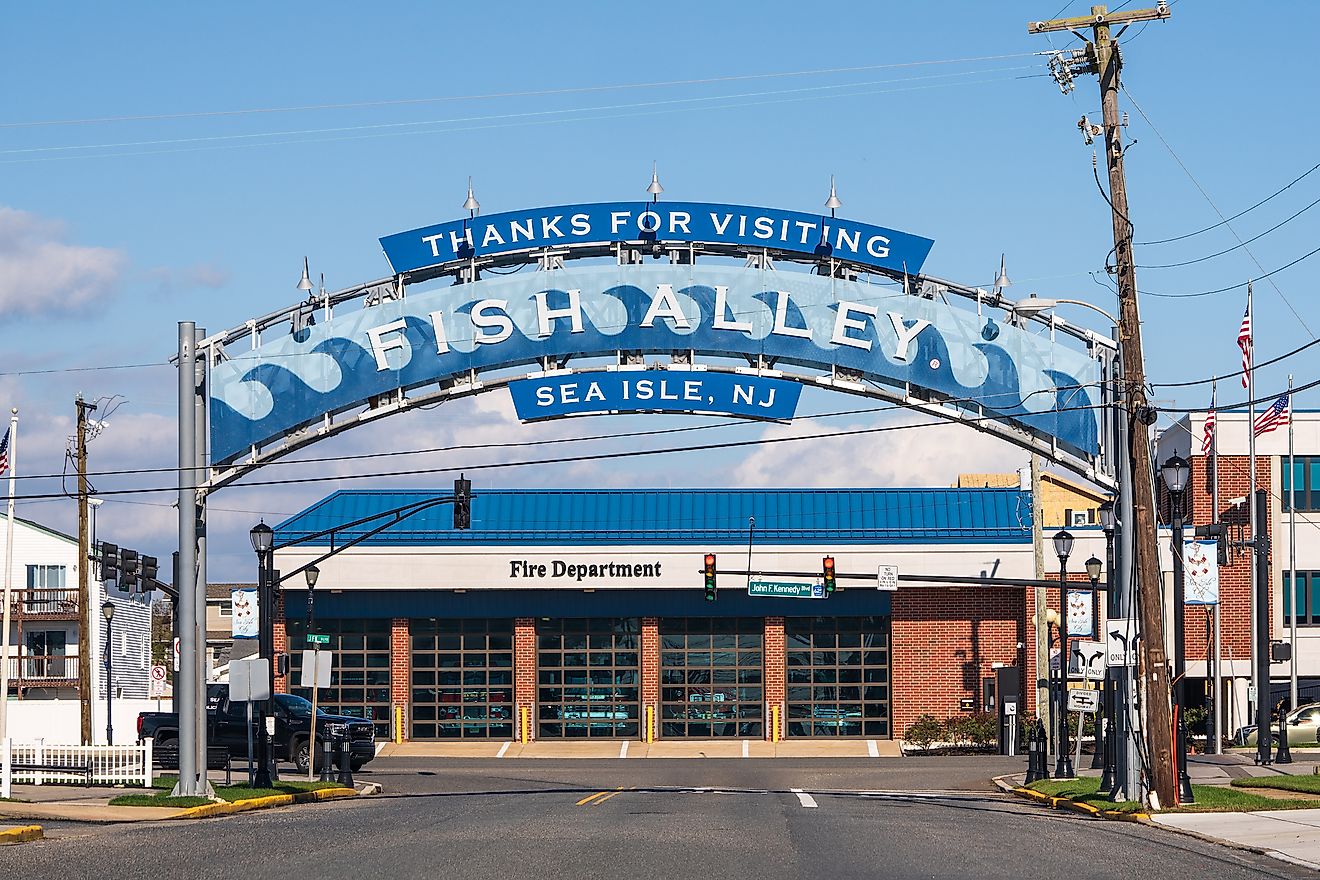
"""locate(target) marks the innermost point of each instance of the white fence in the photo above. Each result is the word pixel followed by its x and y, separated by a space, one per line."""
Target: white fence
pixel 108 765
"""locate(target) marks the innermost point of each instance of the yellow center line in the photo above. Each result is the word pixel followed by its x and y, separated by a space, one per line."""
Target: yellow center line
pixel 591 797
pixel 617 791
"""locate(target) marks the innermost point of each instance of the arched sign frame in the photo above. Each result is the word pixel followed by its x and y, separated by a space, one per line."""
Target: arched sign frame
pixel 396 300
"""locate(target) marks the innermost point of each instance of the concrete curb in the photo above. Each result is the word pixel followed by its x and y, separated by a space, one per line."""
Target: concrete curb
pixel 207 811
pixel 1063 803
pixel 21 834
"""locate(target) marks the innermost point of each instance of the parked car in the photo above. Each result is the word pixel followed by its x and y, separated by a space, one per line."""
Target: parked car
pixel 1303 725
pixel 227 726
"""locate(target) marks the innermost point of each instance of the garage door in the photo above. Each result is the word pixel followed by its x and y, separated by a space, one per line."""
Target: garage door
pixel 462 678
pixel 588 677
pixel 711 677
pixel 838 676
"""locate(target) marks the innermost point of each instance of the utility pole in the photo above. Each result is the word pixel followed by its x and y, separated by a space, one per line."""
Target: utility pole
pixel 84 585
pixel 1102 57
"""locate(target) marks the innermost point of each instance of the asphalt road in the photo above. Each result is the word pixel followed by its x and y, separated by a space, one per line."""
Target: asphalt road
pixel 656 818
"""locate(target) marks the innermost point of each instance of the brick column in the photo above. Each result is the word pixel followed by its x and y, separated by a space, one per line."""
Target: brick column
pixel 775 658
pixel 650 663
pixel 524 673
pixel 400 673
pixel 281 645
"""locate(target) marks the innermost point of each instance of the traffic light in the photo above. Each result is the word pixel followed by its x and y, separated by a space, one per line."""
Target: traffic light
pixel 150 571
pixel 110 562
pixel 827 567
pixel 129 562
pixel 710 577
pixel 462 503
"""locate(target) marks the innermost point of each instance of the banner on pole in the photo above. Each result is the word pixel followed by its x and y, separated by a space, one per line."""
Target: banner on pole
pixel 244 614
pixel 1081 622
pixel 1201 569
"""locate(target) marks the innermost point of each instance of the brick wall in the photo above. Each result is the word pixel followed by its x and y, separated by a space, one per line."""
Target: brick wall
pixel 400 670
pixel 650 660
pixel 524 672
pixel 776 660
pixel 944 641
pixel 281 641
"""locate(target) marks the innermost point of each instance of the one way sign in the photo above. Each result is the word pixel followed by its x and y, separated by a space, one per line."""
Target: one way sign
pixel 1121 638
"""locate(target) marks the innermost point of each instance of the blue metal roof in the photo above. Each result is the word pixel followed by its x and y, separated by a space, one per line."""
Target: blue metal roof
pixel 678 516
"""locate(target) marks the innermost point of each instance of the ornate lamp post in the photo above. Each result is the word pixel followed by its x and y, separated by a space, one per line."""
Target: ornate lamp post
pixel 1107 523
pixel 263 539
pixel 1063 765
pixel 1093 568
pixel 108 612
pixel 1175 472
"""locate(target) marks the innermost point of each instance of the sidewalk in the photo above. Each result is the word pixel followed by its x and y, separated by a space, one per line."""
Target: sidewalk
pixel 1288 835
pixel 722 748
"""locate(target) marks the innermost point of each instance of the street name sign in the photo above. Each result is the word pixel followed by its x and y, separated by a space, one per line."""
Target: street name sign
pixel 786 589
pixel 1083 700
pixel 886 578
pixel 315 639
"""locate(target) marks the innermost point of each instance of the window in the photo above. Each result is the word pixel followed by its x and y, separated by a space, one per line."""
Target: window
pixel 1306 596
pixel 1079 518
pixel 45 577
pixel 225 608
pixel 1302 479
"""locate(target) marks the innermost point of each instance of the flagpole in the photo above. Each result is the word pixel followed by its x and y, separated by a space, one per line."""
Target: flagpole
pixel 1292 549
pixel 9 582
pixel 1216 702
pixel 1251 493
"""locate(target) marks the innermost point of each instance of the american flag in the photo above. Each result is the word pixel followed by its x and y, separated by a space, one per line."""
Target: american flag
pixel 1278 415
pixel 4 454
pixel 1208 438
pixel 1244 343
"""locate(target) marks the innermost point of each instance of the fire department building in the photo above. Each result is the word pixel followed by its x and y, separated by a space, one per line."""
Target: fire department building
pixel 582 614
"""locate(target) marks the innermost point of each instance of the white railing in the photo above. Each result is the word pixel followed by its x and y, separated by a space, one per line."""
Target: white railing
pixel 110 765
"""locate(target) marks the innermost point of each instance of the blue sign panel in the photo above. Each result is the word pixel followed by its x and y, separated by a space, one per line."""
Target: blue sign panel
pixel 807 234
pixel 456 333
pixel 682 391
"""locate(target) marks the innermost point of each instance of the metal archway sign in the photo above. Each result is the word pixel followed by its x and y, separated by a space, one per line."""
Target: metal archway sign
pixel 590 327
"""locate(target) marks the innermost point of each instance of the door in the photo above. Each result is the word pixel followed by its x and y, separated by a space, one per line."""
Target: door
pixel 838 676
pixel 588 677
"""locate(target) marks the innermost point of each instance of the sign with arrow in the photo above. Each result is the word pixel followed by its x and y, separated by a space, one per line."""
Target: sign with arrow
pixel 1121 637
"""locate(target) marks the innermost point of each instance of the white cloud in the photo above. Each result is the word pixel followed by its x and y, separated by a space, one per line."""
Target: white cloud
pixel 41 273
pixel 917 456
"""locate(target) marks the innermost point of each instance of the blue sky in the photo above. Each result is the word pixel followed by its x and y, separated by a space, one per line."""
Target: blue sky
pixel 112 231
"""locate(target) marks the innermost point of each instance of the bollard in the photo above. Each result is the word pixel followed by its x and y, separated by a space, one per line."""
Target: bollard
pixel 327 760
pixel 1037 763
pixel 1284 755
pixel 345 764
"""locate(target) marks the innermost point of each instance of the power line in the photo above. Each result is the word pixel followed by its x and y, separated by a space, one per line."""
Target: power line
pixel 520 444
pixel 1218 290
pixel 506 124
pixel 1212 204
pixel 536 93
pixel 82 369
pixel 599 456
pixel 1236 373
pixel 1269 398
pixel 1277 192
pixel 1234 247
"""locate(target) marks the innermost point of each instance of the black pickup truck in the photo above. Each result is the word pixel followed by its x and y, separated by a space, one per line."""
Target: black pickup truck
pixel 226 726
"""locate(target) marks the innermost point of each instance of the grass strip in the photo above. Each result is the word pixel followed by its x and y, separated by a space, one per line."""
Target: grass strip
pixel 229 793
pixel 1209 798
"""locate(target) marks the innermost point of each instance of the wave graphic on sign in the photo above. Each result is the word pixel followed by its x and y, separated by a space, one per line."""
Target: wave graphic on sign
pixel 783 318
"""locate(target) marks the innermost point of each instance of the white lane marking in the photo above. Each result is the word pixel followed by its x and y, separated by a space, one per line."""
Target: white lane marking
pixel 872 749
pixel 504 748
pixel 379 746
pixel 804 799
pixel 744 748
pixel 623 749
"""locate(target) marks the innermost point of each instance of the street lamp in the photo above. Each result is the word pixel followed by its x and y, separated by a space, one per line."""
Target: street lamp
pixel 108 612
pixel 1175 472
pixel 1107 522
pixel 263 539
pixel 1063 764
pixel 312 574
pixel 1093 568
